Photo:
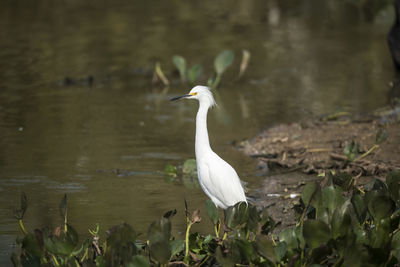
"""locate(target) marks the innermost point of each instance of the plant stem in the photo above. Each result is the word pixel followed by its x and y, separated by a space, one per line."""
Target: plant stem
pixel 21 225
pixel 368 152
pixel 186 259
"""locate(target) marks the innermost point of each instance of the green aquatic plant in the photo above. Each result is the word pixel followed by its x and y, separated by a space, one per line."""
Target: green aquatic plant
pixel 339 224
pixel 187 74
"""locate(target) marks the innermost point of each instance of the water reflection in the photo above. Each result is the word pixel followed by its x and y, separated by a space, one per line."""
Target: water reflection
pixel 308 58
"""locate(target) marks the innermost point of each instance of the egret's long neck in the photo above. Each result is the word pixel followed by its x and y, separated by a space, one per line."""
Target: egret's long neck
pixel 202 143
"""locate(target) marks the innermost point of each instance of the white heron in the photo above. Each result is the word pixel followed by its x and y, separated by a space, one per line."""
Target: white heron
pixel 216 177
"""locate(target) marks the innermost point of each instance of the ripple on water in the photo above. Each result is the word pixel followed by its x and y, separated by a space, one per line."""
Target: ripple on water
pixel 66 187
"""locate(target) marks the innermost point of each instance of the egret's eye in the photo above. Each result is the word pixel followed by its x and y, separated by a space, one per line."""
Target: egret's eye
pixel 193 94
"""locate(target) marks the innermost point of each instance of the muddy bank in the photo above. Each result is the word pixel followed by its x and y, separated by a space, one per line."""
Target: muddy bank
pixel 319 145
pixel 288 153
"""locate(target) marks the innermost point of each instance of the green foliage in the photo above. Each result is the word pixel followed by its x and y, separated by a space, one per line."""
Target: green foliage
pixel 339 224
pixel 221 63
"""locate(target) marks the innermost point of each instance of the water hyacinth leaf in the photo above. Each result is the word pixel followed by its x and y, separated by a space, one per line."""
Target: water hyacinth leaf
pixel 177 246
pixel 381 207
pixel 381 136
pixel 331 198
pixel 223 61
pixel 170 170
pixel 225 261
pixel 341 220
pixel 245 62
pixel 289 236
pixel 170 213
pixel 236 215
pixel 308 192
pixel 265 248
pixel 31 244
pixel 267 223
pixel 139 261
pixel 316 233
pixel 189 167
pixel 62 242
pixel 246 248
pixel 280 250
pixel 359 206
pixel 253 218
pixel 180 64
pixel 381 236
pixel 395 244
pixel 19 213
pixel 159 234
pixel 344 180
pixel 212 211
pixel 393 183
pixel 120 235
pixel 194 73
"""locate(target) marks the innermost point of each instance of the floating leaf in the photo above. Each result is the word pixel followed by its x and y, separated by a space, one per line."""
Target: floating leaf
pixel 236 215
pixel 62 242
pixel 341 220
pixel 180 64
pixel 360 208
pixel 289 237
pixel 316 233
pixel 170 170
pixel 31 244
pixel 331 198
pixel 344 180
pixel 223 260
pixel 223 61
pixel 189 167
pixel 194 73
pixel 212 211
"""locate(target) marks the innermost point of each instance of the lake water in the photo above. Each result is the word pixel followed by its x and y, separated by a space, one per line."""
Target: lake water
pixel 105 140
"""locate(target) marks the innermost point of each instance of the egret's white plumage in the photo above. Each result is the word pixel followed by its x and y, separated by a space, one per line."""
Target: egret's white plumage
pixel 217 178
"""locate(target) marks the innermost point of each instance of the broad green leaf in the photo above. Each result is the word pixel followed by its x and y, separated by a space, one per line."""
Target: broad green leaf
pixel 180 64
pixel 225 261
pixel 289 236
pixel 246 248
pixel 265 247
pixel 352 150
pixel 253 218
pixel 63 243
pixel 280 250
pixel 308 192
pixel 223 61
pixel 381 207
pixel 396 241
pixel 139 261
pixel 236 215
pixel 30 244
pixel 380 237
pixel 359 206
pixel 159 234
pixel 331 198
pixel 316 233
pixel 393 183
pixel 194 73
pixel 177 246
pixel 341 220
pixel 212 211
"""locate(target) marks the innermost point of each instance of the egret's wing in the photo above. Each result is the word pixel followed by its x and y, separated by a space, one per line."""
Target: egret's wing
pixel 224 183
pixel 208 186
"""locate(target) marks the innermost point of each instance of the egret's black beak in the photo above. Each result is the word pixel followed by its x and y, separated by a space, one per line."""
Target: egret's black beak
pixel 179 97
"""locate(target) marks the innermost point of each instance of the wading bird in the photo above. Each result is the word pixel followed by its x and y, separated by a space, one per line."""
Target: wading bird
pixel 217 178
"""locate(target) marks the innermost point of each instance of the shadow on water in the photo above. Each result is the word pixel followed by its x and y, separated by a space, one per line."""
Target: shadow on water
pixel 76 95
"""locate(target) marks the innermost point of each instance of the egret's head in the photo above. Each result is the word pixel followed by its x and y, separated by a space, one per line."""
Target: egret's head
pixel 202 93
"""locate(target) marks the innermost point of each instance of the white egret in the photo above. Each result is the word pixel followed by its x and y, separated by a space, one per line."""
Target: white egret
pixel 216 177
